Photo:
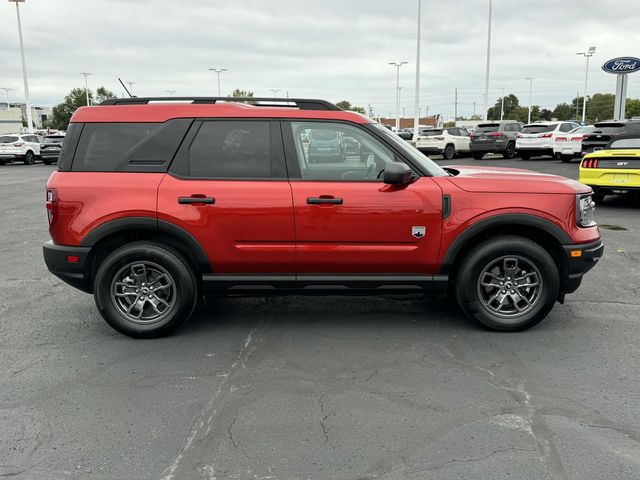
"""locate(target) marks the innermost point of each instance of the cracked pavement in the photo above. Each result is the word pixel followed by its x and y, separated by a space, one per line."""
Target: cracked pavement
pixel 393 387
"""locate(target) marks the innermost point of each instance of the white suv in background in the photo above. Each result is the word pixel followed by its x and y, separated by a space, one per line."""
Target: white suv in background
pixel 538 138
pixel 446 142
pixel 23 147
pixel 569 146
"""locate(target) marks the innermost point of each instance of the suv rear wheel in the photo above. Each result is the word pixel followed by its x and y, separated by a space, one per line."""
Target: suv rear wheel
pixel 29 158
pixel 145 290
pixel 507 283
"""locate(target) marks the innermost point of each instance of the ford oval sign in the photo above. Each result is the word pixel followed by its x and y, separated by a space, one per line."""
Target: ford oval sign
pixel 622 65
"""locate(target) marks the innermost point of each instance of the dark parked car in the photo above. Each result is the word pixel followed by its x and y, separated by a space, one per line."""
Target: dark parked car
pixel 326 146
pixel 50 148
pixel 495 137
pixel 607 131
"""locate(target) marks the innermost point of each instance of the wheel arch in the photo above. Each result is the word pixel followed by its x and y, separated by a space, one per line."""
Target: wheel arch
pixel 115 233
pixel 546 234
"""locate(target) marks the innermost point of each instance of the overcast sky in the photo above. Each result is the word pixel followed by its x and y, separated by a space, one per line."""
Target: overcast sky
pixel 332 49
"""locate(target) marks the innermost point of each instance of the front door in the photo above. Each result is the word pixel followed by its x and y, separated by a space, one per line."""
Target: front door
pixel 228 187
pixel 347 221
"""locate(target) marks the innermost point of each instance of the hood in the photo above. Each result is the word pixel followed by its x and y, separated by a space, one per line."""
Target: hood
pixel 512 180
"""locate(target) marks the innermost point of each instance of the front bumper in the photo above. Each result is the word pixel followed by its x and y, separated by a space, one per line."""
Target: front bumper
pixel 581 257
pixel 68 264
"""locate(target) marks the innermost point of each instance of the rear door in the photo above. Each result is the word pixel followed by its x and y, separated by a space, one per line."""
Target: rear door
pixel 347 220
pixel 228 187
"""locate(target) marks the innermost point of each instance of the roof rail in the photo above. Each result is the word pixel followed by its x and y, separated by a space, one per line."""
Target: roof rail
pixel 300 103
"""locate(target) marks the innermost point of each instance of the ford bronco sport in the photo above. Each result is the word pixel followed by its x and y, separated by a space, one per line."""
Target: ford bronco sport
pixel 157 203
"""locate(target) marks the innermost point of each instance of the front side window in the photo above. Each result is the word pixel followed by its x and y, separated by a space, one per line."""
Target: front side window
pixel 232 149
pixel 338 152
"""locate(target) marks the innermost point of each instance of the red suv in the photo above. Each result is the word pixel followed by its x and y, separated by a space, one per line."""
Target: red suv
pixel 156 203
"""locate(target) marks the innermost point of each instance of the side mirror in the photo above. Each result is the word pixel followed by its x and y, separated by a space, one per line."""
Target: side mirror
pixel 397 173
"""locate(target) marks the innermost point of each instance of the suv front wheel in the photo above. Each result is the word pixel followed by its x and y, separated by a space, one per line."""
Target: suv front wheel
pixel 145 290
pixel 507 283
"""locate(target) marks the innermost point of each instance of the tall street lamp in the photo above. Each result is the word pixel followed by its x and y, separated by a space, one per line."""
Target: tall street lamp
pixel 7 90
pixel 218 71
pixel 24 68
pixel 416 106
pixel 588 54
pixel 275 91
pixel 398 65
pixel 86 88
pixel 530 92
pixel 486 78
pixel 502 105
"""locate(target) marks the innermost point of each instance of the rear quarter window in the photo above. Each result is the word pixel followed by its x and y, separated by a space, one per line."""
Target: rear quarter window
pixel 133 147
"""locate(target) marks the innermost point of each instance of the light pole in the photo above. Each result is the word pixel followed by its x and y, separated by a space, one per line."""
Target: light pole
pixel 502 105
pixel 6 90
pixel 588 54
pixel 416 107
pixel 24 68
pixel 275 91
pixel 486 79
pixel 86 88
pixel 530 92
pixel 170 92
pixel 131 84
pixel 397 65
pixel 218 71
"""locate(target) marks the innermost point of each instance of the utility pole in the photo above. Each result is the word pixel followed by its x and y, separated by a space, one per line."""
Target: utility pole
pixel 502 106
pixel 577 104
pixel 6 90
pixel 397 65
pixel 218 71
pixel 24 69
pixel 86 87
pixel 455 106
pixel 370 111
pixel 486 79
pixel 416 106
pixel 474 109
pixel 404 110
pixel 588 54
pixel 530 92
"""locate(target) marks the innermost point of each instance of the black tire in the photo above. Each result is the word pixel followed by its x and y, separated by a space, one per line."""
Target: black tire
pixel 29 158
pixel 469 292
pixel 3 162
pixel 46 162
pixel 182 296
pixel 566 158
pixel 449 152
pixel 510 150
pixel 524 156
pixel 598 196
pixel 477 155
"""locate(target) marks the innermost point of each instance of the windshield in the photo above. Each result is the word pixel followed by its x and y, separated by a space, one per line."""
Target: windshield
pixel 608 127
pixel 487 128
pixel 538 128
pixel 430 133
pixel 53 140
pixel 626 143
pixel 8 139
pixel 588 129
pixel 424 162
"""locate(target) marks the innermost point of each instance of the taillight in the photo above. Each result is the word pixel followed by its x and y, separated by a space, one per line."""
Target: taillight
pixel 18 144
pixel 590 163
pixel 519 135
pixel 578 139
pixel 496 134
pixel 561 139
pixel 473 135
pixel 545 135
pixel 51 205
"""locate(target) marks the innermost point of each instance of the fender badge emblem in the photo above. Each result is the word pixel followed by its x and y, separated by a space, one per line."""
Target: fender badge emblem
pixel 418 231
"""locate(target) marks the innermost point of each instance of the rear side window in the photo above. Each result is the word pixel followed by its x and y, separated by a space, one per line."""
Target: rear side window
pixel 133 147
pixel 234 149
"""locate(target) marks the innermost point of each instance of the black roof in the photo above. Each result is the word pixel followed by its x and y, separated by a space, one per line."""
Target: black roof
pixel 300 103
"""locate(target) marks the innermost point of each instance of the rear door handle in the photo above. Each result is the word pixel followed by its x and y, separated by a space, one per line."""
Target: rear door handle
pixel 323 200
pixel 193 199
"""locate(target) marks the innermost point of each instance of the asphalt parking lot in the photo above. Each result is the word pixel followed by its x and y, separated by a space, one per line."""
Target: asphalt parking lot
pixel 320 387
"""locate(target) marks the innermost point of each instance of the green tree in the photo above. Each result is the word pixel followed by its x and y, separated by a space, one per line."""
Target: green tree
pixel 103 94
pixel 600 107
pixel 345 105
pixel 241 93
pixel 75 99
pixel 511 104
pixel 563 111
pixel 545 114
pixel 633 107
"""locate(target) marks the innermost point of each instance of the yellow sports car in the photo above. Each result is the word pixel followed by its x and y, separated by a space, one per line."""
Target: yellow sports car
pixel 614 170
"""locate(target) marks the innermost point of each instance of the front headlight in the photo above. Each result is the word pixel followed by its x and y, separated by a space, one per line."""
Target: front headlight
pixel 585 207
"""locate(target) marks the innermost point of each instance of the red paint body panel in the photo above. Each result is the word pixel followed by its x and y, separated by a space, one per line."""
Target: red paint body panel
pixel 89 199
pixel 371 232
pixel 161 112
pixel 249 229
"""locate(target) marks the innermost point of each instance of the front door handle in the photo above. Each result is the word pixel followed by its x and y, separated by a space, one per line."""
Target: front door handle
pixel 324 199
pixel 196 199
